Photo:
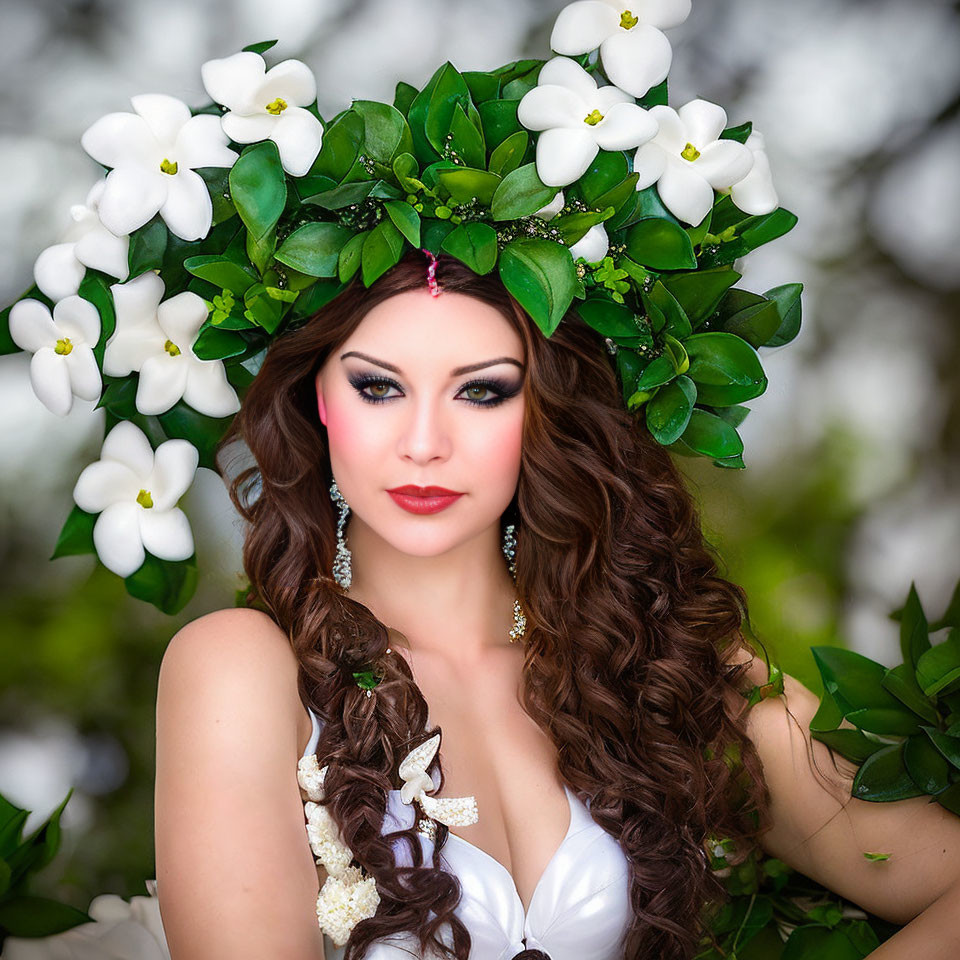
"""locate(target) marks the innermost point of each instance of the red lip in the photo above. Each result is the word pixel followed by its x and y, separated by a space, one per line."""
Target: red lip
pixel 423 500
pixel 412 490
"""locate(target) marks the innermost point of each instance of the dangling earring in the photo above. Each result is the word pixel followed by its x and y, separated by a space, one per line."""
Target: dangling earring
pixel 510 552
pixel 342 571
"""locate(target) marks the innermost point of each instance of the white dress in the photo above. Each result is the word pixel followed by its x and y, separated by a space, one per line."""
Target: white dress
pixel 580 908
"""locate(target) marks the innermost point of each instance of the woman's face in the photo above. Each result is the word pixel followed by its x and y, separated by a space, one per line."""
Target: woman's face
pixel 400 408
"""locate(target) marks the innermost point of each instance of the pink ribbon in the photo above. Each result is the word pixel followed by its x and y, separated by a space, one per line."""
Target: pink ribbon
pixel 432 273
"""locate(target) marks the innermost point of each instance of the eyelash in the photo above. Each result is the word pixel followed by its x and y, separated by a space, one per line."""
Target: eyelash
pixel 503 390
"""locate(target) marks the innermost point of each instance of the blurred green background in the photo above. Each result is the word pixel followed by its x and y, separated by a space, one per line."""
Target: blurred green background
pixel 851 489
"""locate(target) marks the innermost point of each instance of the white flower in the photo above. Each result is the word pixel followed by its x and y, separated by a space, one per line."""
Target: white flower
pixel 344 901
pixel 157 340
pixel 325 839
pixel 635 54
pixel 119 930
pixel 154 153
pixel 453 811
pixel 688 162
pixel 551 209
pixel 86 243
pixel 63 364
pixel 267 105
pixel 592 246
pixel 578 119
pixel 755 193
pixel 136 492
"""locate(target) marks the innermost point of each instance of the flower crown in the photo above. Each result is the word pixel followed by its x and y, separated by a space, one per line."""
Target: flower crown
pixel 216 230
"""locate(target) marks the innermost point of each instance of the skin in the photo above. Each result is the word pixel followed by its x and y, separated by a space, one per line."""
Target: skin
pixel 421 573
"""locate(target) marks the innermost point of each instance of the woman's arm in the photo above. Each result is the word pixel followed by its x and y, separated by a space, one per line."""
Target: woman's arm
pixel 236 877
pixel 823 832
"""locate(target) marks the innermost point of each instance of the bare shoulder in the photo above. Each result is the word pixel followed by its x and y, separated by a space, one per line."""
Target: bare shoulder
pixel 231 839
pixel 822 830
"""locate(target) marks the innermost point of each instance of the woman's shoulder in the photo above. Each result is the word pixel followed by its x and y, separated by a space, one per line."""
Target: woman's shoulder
pixel 234 655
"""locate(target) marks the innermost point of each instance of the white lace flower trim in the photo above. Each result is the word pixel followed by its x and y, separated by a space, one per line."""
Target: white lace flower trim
pixel 344 901
pixel 453 811
pixel 348 894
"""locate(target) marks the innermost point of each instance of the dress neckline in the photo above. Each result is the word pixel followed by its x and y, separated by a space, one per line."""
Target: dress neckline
pixel 525 910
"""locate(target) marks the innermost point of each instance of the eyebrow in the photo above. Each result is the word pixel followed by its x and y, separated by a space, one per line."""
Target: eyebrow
pixel 469 368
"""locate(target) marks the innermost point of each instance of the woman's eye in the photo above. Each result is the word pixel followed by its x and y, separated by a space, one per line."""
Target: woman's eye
pixel 479 393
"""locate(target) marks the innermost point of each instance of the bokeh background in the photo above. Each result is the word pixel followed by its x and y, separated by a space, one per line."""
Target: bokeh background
pixel 852 486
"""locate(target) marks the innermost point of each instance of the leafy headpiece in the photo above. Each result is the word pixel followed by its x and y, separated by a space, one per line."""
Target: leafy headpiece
pixel 215 230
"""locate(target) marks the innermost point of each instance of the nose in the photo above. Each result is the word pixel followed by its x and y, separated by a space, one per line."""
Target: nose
pixel 425 432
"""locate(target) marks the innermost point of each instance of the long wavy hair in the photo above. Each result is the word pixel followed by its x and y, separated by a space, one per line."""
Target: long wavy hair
pixel 629 627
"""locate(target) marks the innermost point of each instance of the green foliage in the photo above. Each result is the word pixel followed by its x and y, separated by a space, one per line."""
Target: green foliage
pixel 776 913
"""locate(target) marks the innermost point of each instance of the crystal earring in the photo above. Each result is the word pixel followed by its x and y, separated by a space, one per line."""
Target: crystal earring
pixel 342 571
pixel 510 552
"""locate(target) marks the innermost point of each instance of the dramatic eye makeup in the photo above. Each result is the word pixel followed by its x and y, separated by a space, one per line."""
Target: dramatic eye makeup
pixel 495 390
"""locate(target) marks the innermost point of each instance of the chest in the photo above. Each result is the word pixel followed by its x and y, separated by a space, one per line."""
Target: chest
pixel 491 749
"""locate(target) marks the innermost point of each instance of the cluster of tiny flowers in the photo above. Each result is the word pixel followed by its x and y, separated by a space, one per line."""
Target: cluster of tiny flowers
pixel 344 901
pixel 526 227
pixel 348 895
pixel 361 216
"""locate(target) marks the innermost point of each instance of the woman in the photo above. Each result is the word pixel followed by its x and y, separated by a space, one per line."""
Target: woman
pixel 599 748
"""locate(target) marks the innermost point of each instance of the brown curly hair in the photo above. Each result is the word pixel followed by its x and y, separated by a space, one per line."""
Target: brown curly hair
pixel 630 627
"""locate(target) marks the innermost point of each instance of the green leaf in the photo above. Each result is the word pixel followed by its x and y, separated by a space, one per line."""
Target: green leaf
pixel 147 246
pixel 315 248
pixel 856 684
pixel 661 245
pixel 31 917
pixel 339 147
pixel 657 372
pixel 405 169
pixel 466 183
pixel 787 299
pixel 403 96
pixel 520 194
pixel 258 187
pixel 405 218
pixel 467 139
pixel 668 413
pixel 349 261
pixel 508 155
pixel 607 170
pixel 474 244
pixel 381 251
pixel 262 47
pixel 884 777
pixel 711 435
pixel 167 584
pixel 725 368
pixel 342 196
pixel 608 318
pixel 769 227
pixel 699 292
pixel 434 232
pixel 214 343
pixel 94 287
pixel 449 91
pixel 926 765
pixel 385 130
pixel 851 744
pixel 541 276
pixel 76 536
pixel 901 681
pixel 181 421
pixel 499 119
pixel 223 273
pixel 483 86
pixel 260 251
pixel 748 315
pixel 940 665
pixel 914 629
pixel 948 747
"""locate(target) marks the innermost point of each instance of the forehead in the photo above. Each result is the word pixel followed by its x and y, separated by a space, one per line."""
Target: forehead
pixel 449 329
